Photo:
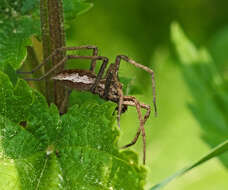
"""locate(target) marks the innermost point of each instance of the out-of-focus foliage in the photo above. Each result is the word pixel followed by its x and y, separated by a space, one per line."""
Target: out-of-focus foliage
pixel 208 87
pixel 74 8
pixel 218 49
pixel 217 151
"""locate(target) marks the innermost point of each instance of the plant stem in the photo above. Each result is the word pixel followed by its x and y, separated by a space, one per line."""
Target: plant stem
pixel 53 36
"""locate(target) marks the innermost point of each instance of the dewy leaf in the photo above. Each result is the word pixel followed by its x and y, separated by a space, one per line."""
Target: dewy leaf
pixel 218 150
pixel 41 150
pixel 93 142
pixel 15 140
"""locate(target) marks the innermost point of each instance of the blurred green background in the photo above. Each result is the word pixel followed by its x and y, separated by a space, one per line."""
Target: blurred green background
pixel 180 134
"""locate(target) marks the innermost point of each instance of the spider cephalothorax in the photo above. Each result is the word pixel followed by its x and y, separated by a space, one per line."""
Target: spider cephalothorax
pixel 107 87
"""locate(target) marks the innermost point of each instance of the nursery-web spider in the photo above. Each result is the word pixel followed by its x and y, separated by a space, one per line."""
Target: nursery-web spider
pixel 107 87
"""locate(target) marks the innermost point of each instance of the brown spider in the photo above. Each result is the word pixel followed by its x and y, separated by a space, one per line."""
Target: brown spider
pixel 107 87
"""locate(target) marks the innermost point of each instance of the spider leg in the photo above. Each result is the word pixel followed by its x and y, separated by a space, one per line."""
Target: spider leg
pixel 146 116
pixel 118 86
pixel 50 71
pixel 120 92
pixel 108 80
pixel 110 77
pixel 56 51
pixel 63 62
pixel 100 74
pixel 147 69
pixel 63 106
pixel 132 101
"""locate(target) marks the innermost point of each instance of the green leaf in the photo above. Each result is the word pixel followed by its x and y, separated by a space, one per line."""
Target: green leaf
pixel 218 47
pixel 14 9
pixel 218 150
pixel 207 86
pixel 15 142
pixel 14 37
pixel 41 150
pixel 73 8
pixel 29 5
pixel 187 52
pixel 8 69
pixel 20 20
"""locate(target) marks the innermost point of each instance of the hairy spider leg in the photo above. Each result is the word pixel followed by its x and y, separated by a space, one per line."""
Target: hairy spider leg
pixel 56 51
pixel 63 105
pixel 64 49
pixel 127 101
pixel 98 78
pixel 100 74
pixel 132 101
pixel 118 86
pixel 104 59
pixel 147 69
pixel 121 96
pixel 109 78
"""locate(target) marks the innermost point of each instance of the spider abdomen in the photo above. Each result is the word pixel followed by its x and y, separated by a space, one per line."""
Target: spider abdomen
pixel 82 80
pixel 77 79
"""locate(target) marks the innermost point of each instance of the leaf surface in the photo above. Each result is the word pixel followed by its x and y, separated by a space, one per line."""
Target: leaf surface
pixel 41 150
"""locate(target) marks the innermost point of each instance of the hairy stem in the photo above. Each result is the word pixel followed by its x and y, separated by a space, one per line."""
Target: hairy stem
pixel 53 36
